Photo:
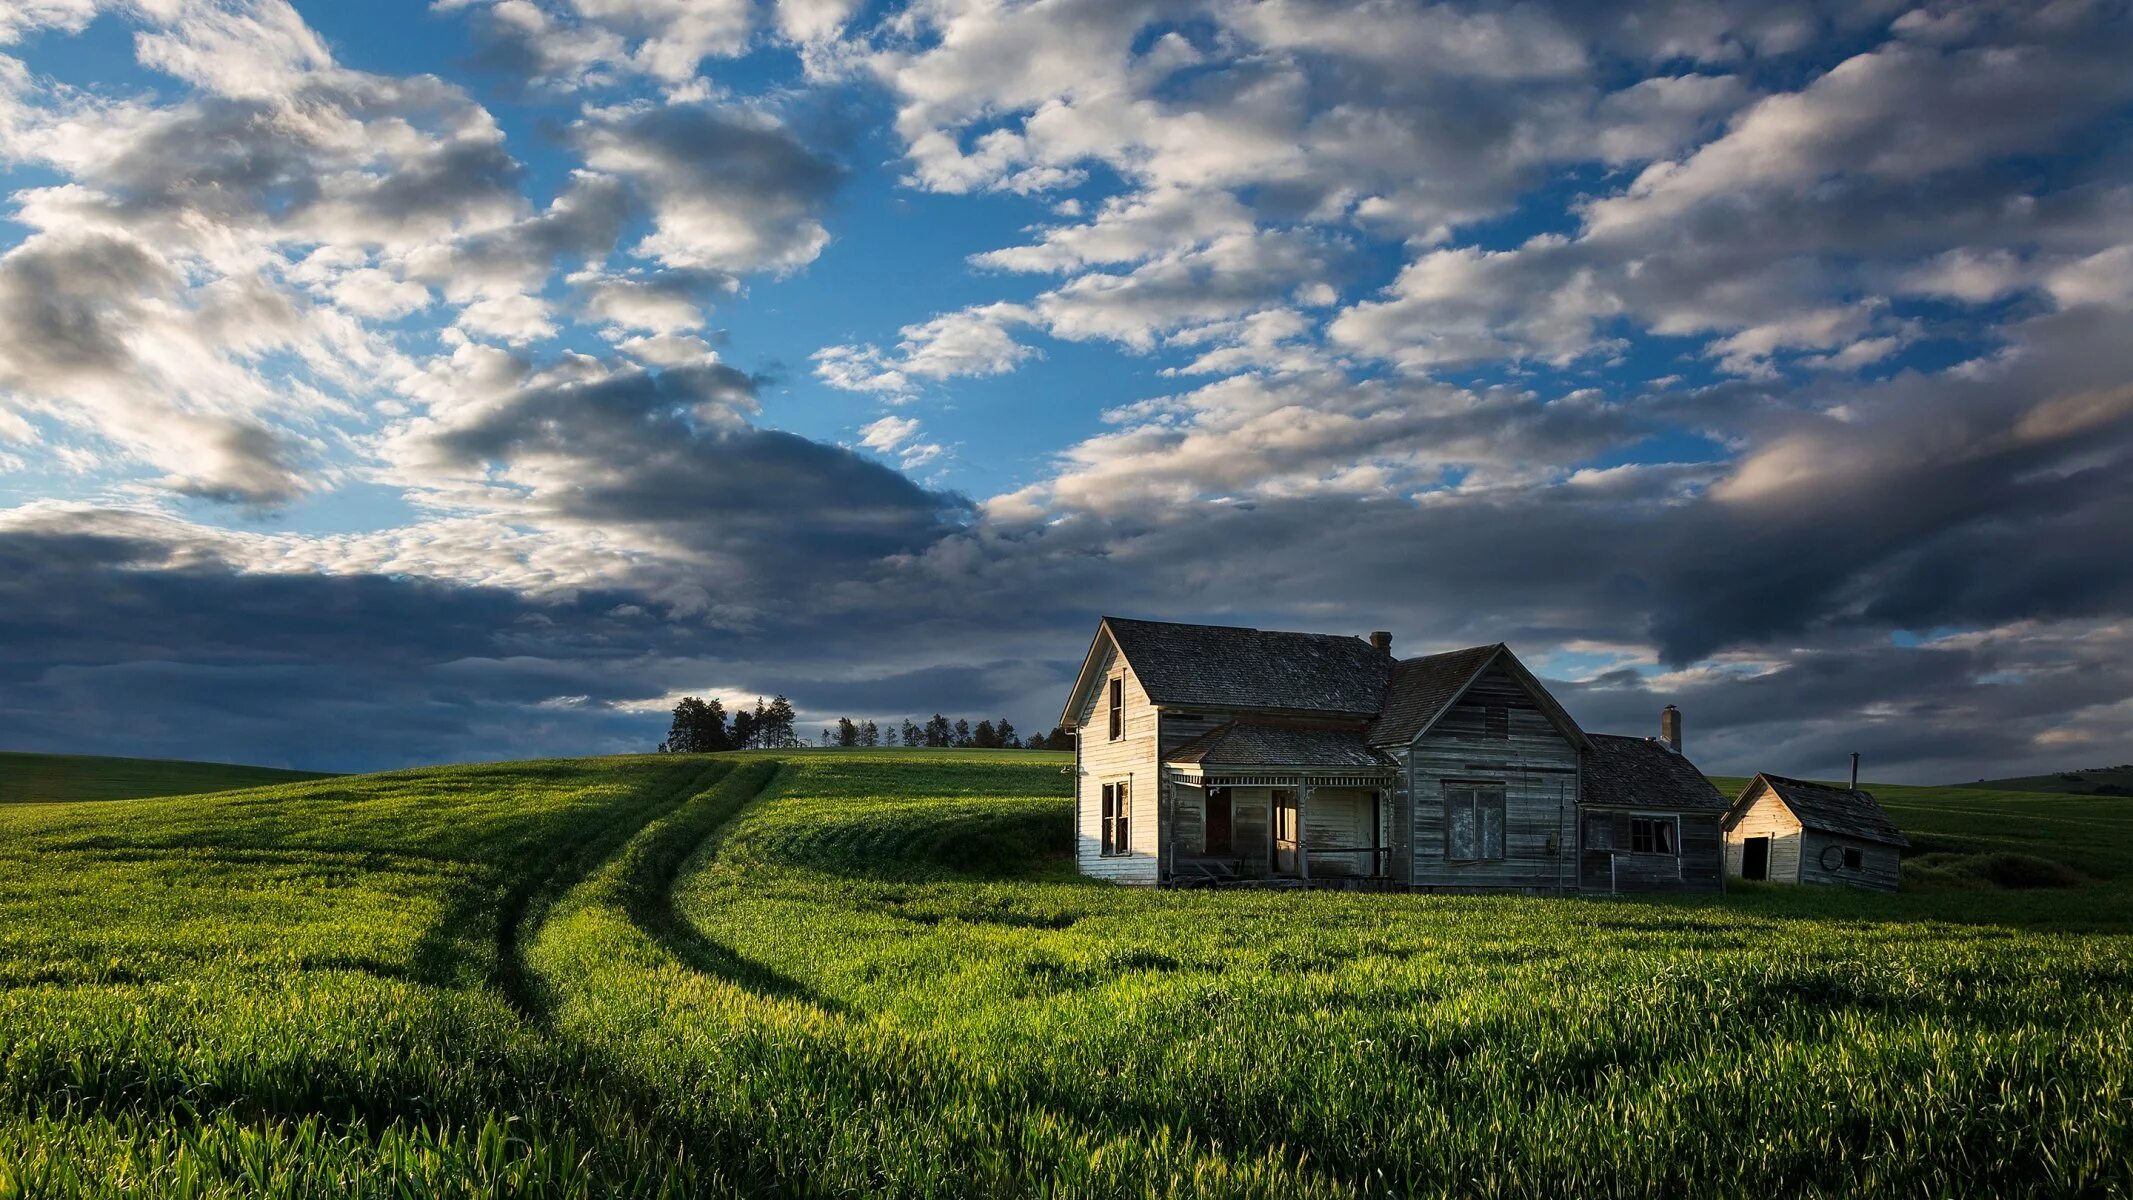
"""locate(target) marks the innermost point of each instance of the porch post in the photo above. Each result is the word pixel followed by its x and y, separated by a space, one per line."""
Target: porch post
pixel 1303 804
pixel 1273 846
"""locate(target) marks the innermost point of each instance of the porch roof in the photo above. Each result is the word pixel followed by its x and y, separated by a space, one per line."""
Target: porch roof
pixel 1257 745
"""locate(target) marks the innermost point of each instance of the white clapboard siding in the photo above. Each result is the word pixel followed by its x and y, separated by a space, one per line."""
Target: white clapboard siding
pixel 1100 760
pixel 1536 765
pixel 1766 816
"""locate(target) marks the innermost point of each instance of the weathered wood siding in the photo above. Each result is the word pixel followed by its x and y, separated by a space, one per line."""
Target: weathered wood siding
pixel 1766 816
pixel 1100 761
pixel 1537 766
pixel 1337 819
pixel 1606 864
pixel 1880 866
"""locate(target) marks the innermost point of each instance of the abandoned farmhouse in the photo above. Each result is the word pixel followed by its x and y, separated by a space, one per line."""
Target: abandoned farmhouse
pixel 1210 754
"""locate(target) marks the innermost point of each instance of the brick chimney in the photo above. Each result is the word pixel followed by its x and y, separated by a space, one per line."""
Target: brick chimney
pixel 1670 728
pixel 1381 641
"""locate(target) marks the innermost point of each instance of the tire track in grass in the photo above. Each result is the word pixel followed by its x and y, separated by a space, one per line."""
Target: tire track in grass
pixel 747 1080
pixel 526 901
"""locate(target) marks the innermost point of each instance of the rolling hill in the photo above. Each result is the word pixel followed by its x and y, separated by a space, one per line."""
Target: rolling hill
pixel 66 777
pixel 2093 781
pixel 835 973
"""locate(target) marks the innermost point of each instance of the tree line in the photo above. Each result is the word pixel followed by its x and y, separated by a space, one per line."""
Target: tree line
pixel 704 727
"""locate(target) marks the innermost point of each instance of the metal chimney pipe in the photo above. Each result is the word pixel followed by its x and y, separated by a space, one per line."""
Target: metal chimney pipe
pixel 1855 770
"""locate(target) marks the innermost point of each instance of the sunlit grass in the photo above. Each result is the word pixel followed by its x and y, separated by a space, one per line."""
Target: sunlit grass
pixel 844 973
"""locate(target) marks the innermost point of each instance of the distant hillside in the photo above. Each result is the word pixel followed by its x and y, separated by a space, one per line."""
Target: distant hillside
pixel 2096 781
pixel 33 777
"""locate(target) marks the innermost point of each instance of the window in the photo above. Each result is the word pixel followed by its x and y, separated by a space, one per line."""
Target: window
pixel 1118 808
pixel 1496 722
pixel 1118 707
pixel 1852 858
pixel 1599 831
pixel 1654 835
pixel 1473 821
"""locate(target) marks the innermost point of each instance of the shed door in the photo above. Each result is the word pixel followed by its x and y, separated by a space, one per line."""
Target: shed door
pixel 1755 858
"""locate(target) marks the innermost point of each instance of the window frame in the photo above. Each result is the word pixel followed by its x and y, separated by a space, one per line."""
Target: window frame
pixel 1655 821
pixel 1115 707
pixel 1474 789
pixel 1854 858
pixel 1115 818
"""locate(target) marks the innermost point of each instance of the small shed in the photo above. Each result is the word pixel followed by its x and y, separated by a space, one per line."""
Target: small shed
pixel 1794 831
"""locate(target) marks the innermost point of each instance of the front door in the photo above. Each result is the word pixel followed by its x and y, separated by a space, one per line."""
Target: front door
pixel 1221 841
pixel 1755 858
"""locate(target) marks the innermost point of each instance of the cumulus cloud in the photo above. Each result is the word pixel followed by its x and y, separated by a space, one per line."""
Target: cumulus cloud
pixel 730 188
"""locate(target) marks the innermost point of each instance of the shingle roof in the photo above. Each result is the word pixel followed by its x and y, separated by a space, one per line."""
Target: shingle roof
pixel 1250 744
pixel 1634 772
pixel 1841 811
pixel 1419 689
pixel 1227 667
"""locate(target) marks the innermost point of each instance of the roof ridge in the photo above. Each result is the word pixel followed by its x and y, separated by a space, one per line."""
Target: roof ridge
pixel 1344 637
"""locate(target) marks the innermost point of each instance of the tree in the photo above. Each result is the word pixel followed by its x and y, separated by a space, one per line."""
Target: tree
pixel 912 735
pixel 847 733
pixel 888 734
pixel 744 731
pixel 983 736
pixel 869 734
pixel 780 717
pixel 1006 731
pixel 699 727
pixel 939 733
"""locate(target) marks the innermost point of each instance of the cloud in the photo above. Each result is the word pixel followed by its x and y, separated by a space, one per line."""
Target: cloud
pixel 730 189
pixel 973 342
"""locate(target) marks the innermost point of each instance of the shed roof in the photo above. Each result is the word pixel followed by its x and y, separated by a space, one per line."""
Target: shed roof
pixel 1846 812
pixel 1253 744
pixel 1223 666
pixel 1635 772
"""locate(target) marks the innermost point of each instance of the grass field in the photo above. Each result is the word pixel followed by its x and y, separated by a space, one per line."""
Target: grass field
pixel 2093 781
pixel 859 973
pixel 66 777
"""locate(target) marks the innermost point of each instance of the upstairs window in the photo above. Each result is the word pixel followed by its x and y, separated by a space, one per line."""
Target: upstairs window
pixel 1654 835
pixel 1496 722
pixel 1118 806
pixel 1118 707
pixel 1473 821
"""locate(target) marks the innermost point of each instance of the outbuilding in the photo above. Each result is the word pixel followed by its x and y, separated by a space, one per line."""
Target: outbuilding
pixel 1795 831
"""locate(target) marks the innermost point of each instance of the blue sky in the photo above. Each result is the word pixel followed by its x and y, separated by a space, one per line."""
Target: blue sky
pixel 574 355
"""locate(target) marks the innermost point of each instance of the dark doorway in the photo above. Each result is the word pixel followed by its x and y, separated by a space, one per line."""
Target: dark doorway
pixel 1755 858
pixel 1219 837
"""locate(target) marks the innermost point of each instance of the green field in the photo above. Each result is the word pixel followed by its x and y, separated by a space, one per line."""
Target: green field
pixel 841 973
pixel 63 777
pixel 2094 781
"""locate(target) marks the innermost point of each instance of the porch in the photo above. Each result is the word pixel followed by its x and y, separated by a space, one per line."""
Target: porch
pixel 1284 828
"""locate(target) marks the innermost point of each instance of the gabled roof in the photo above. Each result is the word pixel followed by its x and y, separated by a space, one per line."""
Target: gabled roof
pixel 1252 744
pixel 1846 812
pixel 1224 666
pixel 1421 689
pixel 1634 772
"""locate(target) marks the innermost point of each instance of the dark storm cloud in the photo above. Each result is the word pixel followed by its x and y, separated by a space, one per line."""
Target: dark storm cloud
pixel 665 453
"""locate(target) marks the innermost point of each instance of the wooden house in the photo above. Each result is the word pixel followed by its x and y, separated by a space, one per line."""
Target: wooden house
pixel 1211 753
pixel 1792 831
